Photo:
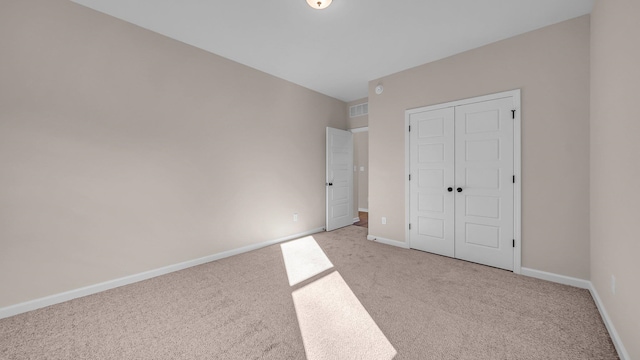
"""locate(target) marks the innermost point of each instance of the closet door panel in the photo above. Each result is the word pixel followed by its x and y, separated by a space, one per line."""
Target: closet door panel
pixel 484 188
pixel 431 163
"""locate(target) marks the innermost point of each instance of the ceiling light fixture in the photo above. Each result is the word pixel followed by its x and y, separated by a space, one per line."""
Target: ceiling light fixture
pixel 319 4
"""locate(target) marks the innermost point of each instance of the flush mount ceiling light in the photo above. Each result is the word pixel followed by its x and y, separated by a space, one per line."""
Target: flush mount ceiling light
pixel 319 4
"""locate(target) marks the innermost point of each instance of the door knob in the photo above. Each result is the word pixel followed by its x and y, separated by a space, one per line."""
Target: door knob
pixel 459 189
pixel 449 189
pixel 330 184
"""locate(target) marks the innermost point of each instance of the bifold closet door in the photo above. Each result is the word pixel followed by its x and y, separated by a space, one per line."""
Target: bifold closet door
pixel 431 158
pixel 484 225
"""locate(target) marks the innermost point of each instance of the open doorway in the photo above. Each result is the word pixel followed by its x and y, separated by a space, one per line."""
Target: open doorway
pixel 361 176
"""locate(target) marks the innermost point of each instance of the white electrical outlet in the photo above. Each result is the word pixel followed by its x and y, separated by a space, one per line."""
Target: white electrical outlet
pixel 295 216
pixel 613 284
pixel 384 220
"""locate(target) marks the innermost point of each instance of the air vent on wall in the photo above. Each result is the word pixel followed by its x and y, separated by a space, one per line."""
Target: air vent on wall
pixel 359 110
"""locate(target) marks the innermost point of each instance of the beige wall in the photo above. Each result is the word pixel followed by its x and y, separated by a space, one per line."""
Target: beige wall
pixel 615 164
pixel 551 66
pixel 123 151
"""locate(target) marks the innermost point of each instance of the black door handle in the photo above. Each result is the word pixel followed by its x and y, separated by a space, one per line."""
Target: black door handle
pixel 330 184
pixel 459 189
pixel 449 189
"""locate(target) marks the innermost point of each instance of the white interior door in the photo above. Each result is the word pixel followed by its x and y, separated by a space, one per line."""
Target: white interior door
pixel 461 193
pixel 484 225
pixel 432 171
pixel 339 179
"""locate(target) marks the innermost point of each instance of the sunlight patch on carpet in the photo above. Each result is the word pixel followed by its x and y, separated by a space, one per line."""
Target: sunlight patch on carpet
pixel 304 259
pixel 335 325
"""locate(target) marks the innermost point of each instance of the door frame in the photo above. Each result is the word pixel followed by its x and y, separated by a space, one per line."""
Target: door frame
pixel 517 164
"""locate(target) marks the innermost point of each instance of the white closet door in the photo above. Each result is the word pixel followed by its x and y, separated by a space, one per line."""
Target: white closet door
pixel 484 228
pixel 432 166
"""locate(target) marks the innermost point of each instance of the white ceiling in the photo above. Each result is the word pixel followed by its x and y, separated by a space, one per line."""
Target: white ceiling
pixel 336 51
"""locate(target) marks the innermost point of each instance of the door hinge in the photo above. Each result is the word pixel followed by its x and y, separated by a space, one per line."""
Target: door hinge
pixel 409 226
pixel 514 179
pixel 514 242
pixel 513 114
pixel 409 128
pixel 409 177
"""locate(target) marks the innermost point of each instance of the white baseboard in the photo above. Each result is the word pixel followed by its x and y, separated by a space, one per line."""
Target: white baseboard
pixel 111 284
pixel 363 210
pixel 584 284
pixel 561 279
pixel 617 342
pixel 356 219
pixel 388 241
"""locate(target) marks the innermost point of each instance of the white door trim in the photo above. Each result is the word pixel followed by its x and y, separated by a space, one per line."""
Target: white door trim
pixel 517 164
pixel 360 129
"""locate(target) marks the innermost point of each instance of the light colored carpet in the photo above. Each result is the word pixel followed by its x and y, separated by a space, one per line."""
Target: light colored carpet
pixel 304 259
pixel 334 324
pixel 427 306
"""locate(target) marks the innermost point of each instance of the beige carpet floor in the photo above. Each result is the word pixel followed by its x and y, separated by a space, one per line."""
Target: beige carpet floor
pixel 427 306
